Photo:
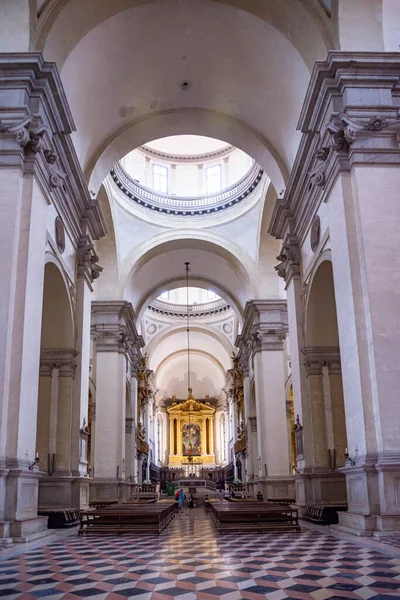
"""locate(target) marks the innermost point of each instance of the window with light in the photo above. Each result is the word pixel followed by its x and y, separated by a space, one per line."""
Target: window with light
pixel 213 179
pixel 160 179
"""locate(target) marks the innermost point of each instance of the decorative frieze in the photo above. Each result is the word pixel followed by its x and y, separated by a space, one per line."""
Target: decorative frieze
pixel 265 326
pixel 350 117
pixel 113 329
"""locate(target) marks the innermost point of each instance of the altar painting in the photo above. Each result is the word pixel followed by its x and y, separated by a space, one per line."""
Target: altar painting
pixel 191 440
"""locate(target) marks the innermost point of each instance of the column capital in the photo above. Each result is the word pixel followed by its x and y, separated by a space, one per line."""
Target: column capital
pixel 265 325
pixel 54 358
pixel 317 357
pixel 350 117
pixel 114 330
pixel 35 128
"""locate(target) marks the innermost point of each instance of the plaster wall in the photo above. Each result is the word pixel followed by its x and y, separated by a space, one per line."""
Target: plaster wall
pixel 15 26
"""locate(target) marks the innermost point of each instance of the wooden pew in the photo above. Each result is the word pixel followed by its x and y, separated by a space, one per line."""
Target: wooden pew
pixel 127 518
pixel 257 516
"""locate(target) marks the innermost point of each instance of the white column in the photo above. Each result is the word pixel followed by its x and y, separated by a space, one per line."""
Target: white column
pixel 22 243
pixel 367 296
pixel 110 416
pixel 271 407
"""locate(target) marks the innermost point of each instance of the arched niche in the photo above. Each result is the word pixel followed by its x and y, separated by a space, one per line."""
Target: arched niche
pixel 56 382
pixel 321 320
pixel 322 352
pixel 57 316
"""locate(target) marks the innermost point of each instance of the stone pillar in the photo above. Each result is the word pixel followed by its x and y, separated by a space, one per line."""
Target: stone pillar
pixel 348 157
pixel 36 153
pixel 323 483
pixel 116 344
pixel 55 417
pixel 262 341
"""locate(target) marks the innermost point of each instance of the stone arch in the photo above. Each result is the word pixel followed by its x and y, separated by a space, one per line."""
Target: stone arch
pixel 56 332
pixel 194 121
pixel 61 15
pixel 324 377
pixel 214 261
pixel 165 333
pixel 263 122
pixel 321 319
pixel 57 369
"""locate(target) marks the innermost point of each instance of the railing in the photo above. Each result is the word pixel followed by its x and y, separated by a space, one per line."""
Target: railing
pixel 195 309
pixel 179 205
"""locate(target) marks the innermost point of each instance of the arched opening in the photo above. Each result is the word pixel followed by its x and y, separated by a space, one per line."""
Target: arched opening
pixel 55 403
pixel 325 388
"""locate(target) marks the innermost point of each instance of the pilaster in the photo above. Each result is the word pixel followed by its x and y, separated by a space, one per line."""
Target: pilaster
pixel 262 343
pixel 117 347
pixel 349 156
pixel 38 167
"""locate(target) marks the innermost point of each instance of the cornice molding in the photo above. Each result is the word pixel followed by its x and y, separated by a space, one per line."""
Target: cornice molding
pixel 265 326
pixel 113 329
pixel 187 158
pixel 186 206
pixel 35 134
pixel 350 117
pixel 62 360
pixel 317 357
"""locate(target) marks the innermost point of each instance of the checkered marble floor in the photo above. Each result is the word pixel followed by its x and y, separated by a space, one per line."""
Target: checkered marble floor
pixel 190 560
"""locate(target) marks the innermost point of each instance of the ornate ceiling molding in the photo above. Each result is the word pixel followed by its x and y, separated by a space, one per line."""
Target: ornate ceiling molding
pixel 187 158
pixel 186 206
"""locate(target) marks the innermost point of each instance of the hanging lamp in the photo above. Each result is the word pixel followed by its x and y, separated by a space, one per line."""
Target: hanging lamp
pixel 190 395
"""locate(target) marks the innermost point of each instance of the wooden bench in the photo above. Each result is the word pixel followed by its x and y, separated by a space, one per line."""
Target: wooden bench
pixel 128 518
pixel 257 516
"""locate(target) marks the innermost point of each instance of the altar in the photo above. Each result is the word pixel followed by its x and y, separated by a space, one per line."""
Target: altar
pixel 191 426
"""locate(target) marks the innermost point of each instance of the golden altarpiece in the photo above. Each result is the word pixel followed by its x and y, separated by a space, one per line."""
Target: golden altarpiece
pixel 191 426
